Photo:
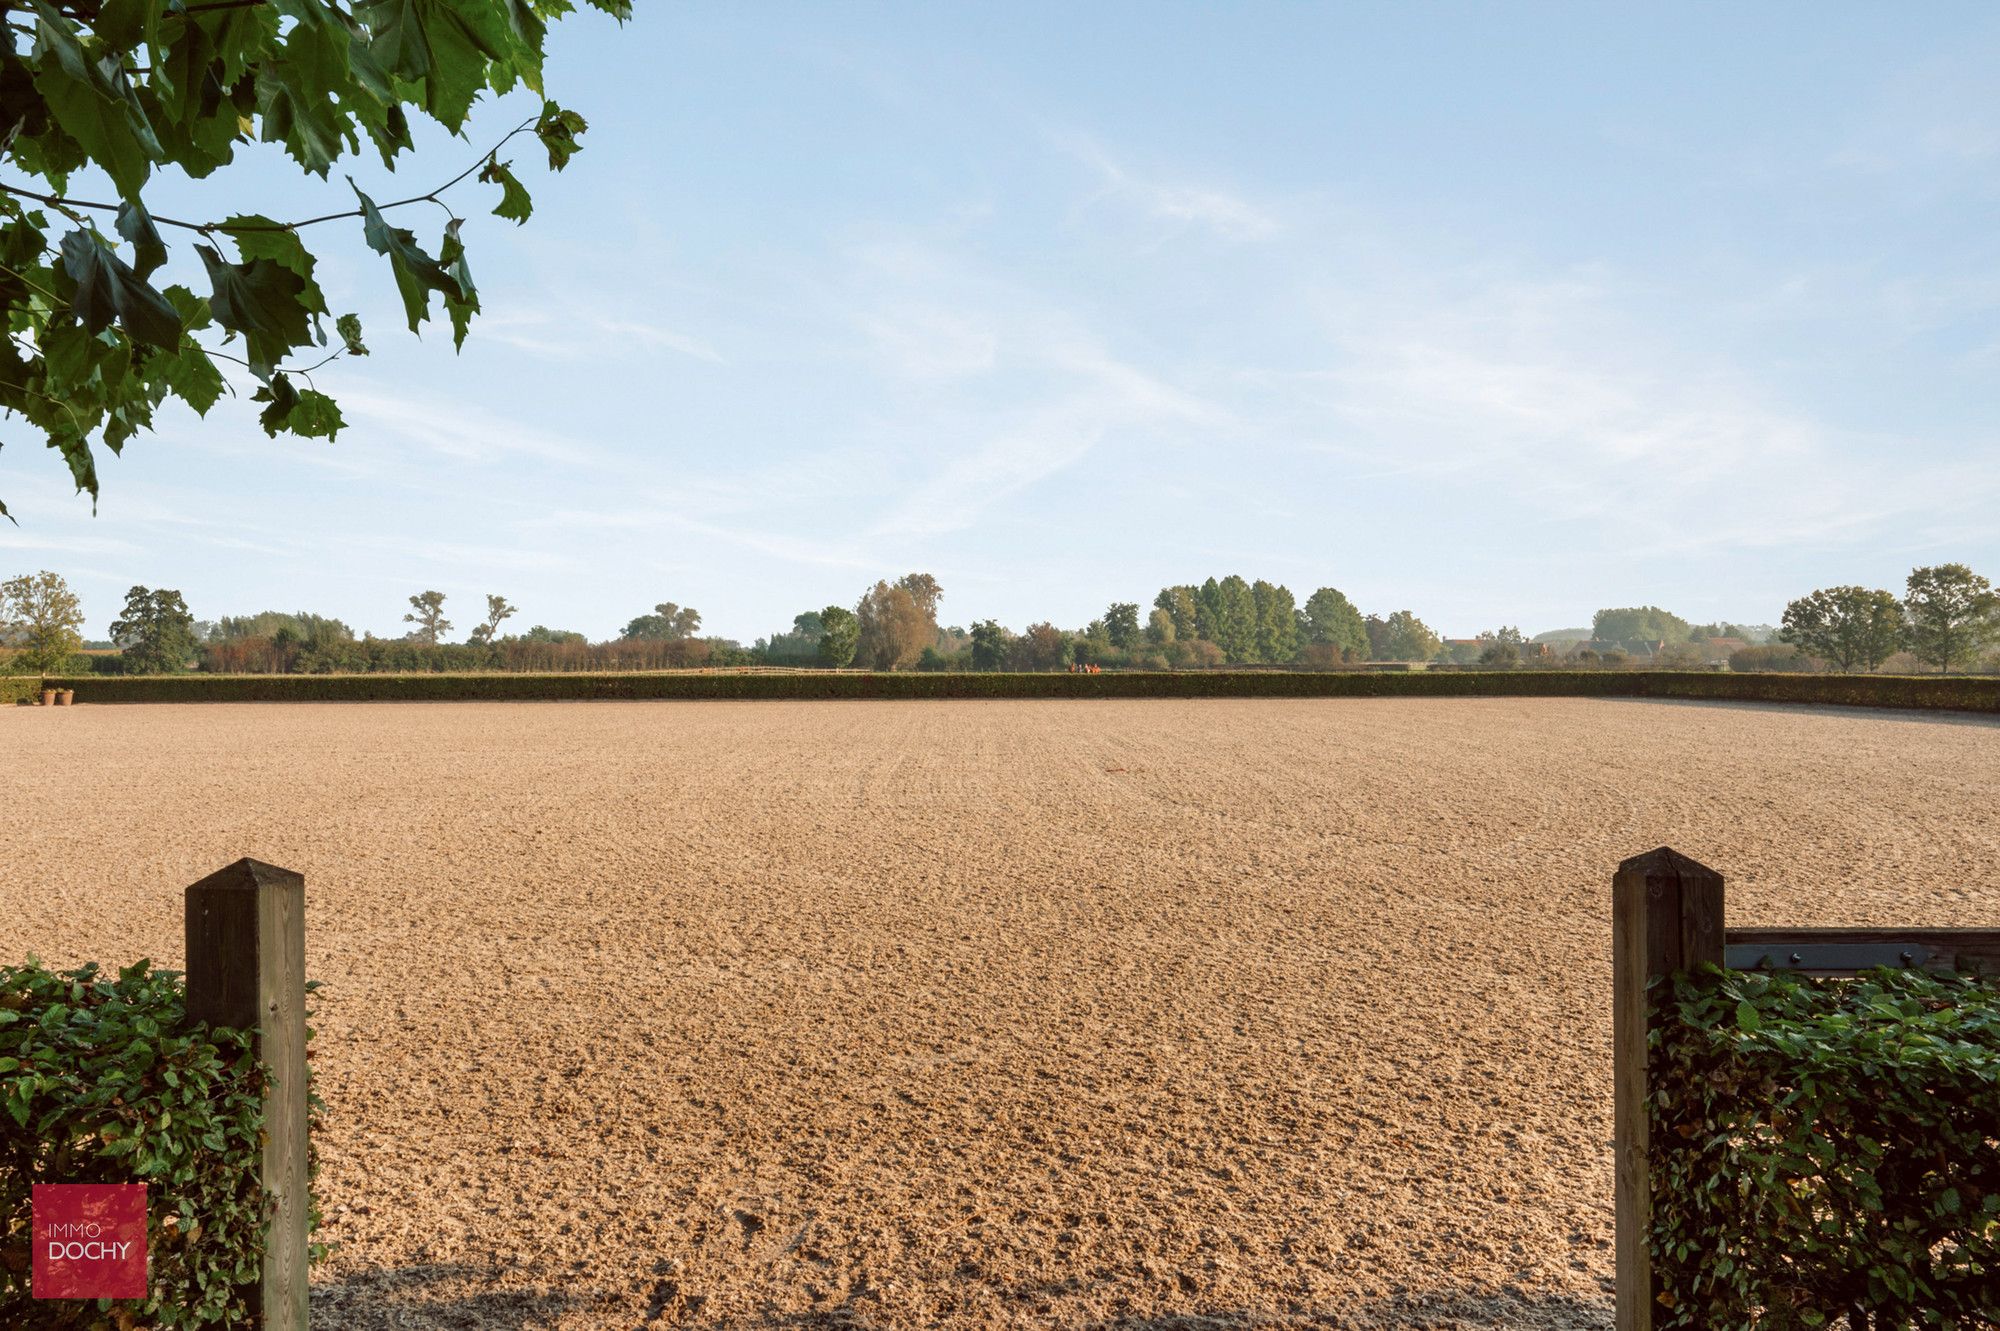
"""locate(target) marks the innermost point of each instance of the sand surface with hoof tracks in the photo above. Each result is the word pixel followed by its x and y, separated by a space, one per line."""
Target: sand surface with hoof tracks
pixel 890 1015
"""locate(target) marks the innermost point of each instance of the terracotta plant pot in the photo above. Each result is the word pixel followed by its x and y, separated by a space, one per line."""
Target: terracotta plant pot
pixel 48 697
pixel 64 697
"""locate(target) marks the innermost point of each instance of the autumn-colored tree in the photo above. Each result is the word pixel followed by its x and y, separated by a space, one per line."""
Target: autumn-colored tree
pixel 895 626
pixel 1042 647
pixel 925 591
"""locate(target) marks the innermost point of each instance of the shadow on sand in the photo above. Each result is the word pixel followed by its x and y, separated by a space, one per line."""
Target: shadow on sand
pixel 443 1297
pixel 1937 718
pixel 448 1297
pixel 1442 1310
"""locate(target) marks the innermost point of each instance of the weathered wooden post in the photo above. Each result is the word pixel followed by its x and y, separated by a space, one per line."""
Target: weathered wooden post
pixel 246 968
pixel 1666 915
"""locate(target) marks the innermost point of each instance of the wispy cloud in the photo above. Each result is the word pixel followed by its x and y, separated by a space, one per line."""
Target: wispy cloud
pixel 574 335
pixel 1210 207
pixel 456 430
pixel 1546 394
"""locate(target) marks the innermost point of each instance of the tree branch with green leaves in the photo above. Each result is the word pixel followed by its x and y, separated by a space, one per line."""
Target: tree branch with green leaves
pixel 138 89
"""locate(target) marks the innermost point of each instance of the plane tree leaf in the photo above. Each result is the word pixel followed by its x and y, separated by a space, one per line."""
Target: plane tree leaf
pixel 514 205
pixel 417 273
pixel 261 299
pixel 107 290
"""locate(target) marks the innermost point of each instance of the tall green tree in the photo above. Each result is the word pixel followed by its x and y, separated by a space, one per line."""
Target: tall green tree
pixel 1277 622
pixel 1330 618
pixel 106 320
pixel 990 644
pixel 1121 624
pixel 839 633
pixel 1179 604
pixel 427 613
pixel 1235 619
pixel 1853 627
pixel 1208 610
pixel 1952 615
pixel 800 644
pixel 155 634
pixel 668 623
pixel 304 626
pixel 1644 623
pixel 1407 638
pixel 40 619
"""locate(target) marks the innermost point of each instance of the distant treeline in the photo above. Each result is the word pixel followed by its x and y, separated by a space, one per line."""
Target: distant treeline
pixel 1947 620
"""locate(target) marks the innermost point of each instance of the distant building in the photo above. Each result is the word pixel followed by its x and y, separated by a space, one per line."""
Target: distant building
pixel 1635 649
pixel 1717 651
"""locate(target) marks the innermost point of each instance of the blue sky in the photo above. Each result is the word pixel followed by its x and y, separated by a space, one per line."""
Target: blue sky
pixel 1500 313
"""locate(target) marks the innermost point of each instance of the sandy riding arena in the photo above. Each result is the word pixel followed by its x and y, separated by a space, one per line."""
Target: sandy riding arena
pixel 1029 1014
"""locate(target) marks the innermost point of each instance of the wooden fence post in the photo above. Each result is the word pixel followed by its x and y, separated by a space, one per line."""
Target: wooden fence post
pixel 246 964
pixel 1666 915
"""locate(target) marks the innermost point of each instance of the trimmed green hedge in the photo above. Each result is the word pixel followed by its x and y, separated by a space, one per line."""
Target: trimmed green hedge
pixel 18 688
pixel 101 1082
pixel 1976 694
pixel 1826 1145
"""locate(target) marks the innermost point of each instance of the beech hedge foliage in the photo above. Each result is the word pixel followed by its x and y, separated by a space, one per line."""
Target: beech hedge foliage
pixel 1953 692
pixel 101 1081
pixel 1822 1146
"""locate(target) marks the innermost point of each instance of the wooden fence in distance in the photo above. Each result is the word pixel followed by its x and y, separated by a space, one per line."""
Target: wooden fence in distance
pixel 246 969
pixel 1667 915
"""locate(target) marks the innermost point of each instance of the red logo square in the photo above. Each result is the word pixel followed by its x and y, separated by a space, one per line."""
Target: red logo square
pixel 90 1241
